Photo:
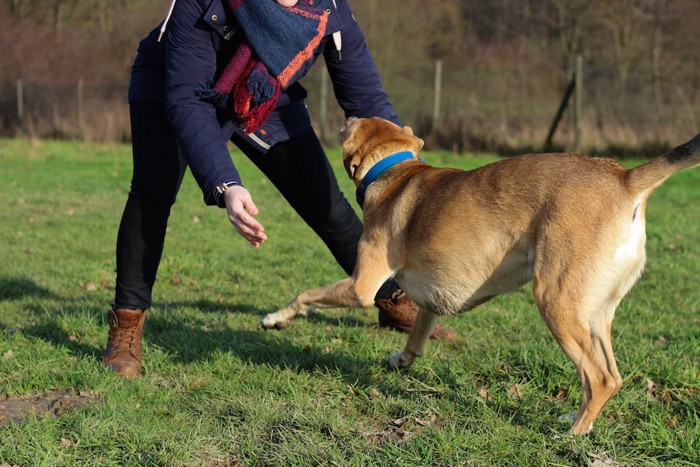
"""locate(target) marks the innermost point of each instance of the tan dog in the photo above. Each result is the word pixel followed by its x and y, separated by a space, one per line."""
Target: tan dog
pixel 454 239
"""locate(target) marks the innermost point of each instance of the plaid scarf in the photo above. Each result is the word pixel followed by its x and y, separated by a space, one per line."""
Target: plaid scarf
pixel 276 51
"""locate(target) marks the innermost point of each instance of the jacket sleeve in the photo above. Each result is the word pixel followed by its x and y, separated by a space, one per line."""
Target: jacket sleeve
pixel 356 82
pixel 190 60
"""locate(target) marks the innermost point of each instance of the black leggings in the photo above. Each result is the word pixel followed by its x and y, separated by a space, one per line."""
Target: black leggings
pixel 298 168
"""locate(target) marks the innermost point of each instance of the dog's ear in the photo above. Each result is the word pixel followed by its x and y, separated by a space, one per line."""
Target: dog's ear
pixel 420 143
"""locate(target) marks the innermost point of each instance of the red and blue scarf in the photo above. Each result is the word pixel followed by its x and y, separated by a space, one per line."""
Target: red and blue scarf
pixel 277 50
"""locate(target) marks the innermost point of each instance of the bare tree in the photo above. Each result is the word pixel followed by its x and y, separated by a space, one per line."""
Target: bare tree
pixel 15 7
pixel 623 19
pixel 570 15
pixel 659 9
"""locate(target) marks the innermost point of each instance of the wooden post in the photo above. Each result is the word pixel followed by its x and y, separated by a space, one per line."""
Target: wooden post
pixel 438 95
pixel 323 107
pixel 578 103
pixel 20 103
pixel 560 113
pixel 81 115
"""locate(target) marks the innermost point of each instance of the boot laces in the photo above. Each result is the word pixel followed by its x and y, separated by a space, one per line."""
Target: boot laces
pixel 125 339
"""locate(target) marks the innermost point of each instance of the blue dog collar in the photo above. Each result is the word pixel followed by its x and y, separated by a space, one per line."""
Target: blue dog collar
pixel 378 170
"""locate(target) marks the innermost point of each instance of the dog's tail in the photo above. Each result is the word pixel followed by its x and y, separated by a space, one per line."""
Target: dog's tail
pixel 652 174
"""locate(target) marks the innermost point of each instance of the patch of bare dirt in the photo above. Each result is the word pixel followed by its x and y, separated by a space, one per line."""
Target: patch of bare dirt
pixel 232 462
pixel 55 403
pixel 400 429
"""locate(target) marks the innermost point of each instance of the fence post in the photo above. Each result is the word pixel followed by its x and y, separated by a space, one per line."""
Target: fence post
pixel 438 95
pixel 560 112
pixel 20 103
pixel 578 103
pixel 81 114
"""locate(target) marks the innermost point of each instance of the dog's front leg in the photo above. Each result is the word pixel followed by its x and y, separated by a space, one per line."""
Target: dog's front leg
pixel 422 329
pixel 344 293
pixel 371 270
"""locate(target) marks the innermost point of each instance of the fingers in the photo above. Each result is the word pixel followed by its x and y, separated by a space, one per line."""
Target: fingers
pixel 287 3
pixel 241 209
pixel 250 229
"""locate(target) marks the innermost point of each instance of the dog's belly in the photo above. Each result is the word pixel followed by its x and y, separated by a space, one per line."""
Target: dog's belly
pixel 447 286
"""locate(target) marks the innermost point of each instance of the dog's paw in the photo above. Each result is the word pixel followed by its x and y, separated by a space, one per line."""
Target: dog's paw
pixel 273 325
pixel 281 319
pixel 400 360
pixel 272 321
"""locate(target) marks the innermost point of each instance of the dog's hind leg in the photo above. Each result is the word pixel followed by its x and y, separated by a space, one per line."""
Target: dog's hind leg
pixel 606 293
pixel 422 329
pixel 601 332
pixel 583 332
pixel 600 323
pixel 589 348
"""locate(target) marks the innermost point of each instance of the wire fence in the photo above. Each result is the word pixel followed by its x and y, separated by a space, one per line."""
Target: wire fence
pixel 79 111
pixel 442 105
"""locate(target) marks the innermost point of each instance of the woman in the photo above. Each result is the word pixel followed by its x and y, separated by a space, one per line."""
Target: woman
pixel 227 70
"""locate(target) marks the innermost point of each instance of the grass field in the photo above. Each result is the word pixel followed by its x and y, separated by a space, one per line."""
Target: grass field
pixel 218 392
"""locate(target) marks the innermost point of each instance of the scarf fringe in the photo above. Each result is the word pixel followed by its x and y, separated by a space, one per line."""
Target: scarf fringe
pixel 207 93
pixel 255 96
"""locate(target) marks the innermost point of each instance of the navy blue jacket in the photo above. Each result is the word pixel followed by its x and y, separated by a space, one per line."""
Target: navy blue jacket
pixel 200 38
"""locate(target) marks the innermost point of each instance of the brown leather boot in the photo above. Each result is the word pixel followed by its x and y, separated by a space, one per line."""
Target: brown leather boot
pixel 123 354
pixel 399 313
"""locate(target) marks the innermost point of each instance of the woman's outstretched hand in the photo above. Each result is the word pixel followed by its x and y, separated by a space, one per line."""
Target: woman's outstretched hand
pixel 241 209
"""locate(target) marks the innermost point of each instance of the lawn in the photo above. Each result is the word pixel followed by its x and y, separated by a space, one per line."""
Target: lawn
pixel 217 391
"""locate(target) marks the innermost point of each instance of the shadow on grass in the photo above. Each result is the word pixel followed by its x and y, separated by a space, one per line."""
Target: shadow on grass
pixel 191 339
pixel 188 339
pixel 188 342
pixel 49 330
pixel 317 317
pixel 15 288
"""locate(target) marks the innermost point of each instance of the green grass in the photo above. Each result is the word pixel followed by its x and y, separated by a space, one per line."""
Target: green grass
pixel 216 391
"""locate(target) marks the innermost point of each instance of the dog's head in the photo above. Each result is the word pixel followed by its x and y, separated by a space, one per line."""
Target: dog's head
pixel 366 141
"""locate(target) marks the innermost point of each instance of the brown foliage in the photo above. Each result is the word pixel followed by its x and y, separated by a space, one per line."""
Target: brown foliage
pixel 506 65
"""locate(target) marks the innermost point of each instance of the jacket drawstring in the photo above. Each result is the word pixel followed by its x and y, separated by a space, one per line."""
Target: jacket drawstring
pixel 165 21
pixel 337 40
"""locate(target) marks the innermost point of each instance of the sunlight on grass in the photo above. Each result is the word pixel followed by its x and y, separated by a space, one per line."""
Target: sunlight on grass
pixel 217 391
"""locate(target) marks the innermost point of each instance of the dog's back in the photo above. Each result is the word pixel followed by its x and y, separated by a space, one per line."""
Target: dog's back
pixel 512 220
